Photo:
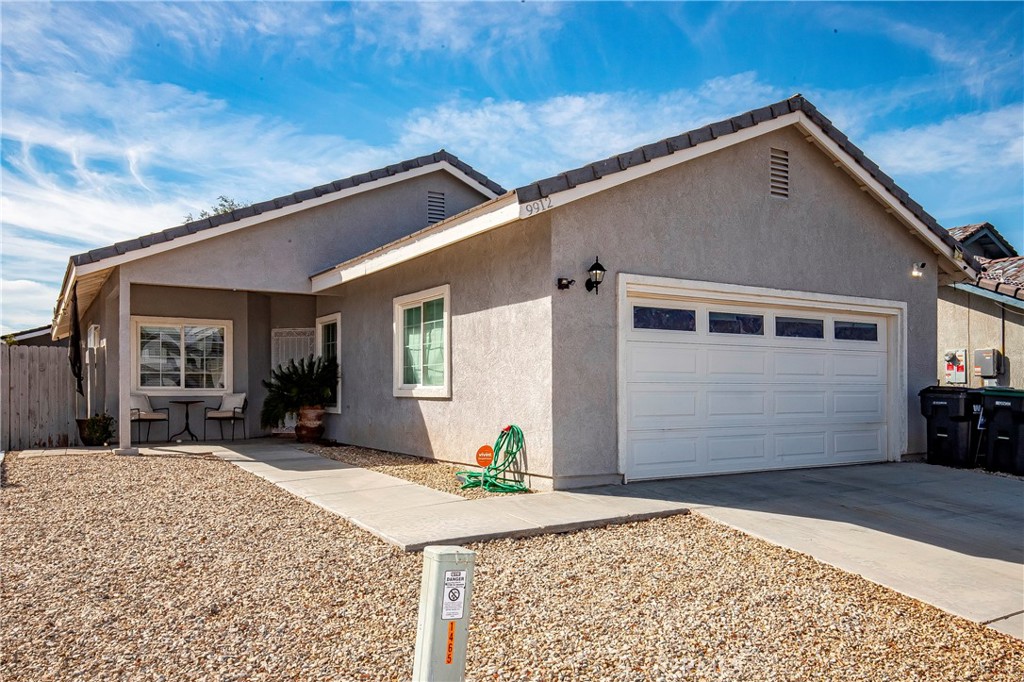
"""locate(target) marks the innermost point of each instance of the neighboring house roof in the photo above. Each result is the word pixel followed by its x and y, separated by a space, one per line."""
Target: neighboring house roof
pixel 594 177
pixel 90 269
pixel 985 240
pixel 1003 276
pixel 27 334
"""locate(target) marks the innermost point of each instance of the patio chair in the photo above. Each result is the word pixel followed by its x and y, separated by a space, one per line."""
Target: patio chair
pixel 232 408
pixel 142 412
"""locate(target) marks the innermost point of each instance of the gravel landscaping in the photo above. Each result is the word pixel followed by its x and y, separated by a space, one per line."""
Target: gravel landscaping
pixel 436 475
pixel 178 567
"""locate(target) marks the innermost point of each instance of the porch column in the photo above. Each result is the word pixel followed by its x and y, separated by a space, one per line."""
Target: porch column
pixel 124 368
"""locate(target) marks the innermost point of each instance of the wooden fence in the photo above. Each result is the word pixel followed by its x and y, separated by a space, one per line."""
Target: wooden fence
pixel 38 399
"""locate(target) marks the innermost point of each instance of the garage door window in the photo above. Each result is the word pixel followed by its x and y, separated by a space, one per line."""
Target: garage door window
pixel 800 327
pixel 856 331
pixel 735 323
pixel 670 319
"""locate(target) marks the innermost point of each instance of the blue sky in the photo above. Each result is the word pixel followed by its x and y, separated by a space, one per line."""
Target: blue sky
pixel 118 119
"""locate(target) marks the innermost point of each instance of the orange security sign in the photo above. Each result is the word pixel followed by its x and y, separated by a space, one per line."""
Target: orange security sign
pixel 485 455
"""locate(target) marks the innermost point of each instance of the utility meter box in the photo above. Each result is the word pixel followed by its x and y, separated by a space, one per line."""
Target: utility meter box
pixel 956 366
pixel 987 362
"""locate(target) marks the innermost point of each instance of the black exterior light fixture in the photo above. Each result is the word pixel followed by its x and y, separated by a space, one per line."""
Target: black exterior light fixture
pixel 918 270
pixel 596 276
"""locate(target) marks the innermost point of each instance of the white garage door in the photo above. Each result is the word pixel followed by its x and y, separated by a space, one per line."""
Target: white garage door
pixel 715 386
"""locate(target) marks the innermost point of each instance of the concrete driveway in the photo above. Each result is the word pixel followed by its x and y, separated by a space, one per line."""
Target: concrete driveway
pixel 953 539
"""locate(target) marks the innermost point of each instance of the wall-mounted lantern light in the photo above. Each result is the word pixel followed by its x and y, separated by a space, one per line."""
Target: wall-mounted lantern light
pixel 565 282
pixel 596 276
pixel 918 271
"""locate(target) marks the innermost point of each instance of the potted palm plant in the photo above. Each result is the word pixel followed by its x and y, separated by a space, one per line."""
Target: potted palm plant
pixel 300 388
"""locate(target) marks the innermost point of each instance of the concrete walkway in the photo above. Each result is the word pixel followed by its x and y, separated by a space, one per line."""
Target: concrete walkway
pixel 951 538
pixel 412 516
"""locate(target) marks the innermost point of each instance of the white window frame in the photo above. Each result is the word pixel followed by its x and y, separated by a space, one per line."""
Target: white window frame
pixel 400 304
pixel 321 322
pixel 229 368
pixel 92 338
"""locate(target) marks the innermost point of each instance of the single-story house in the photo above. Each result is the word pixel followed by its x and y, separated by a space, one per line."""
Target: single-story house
pixel 37 336
pixel 738 297
pixel 984 315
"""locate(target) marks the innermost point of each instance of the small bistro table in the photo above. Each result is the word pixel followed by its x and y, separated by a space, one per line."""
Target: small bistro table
pixel 187 404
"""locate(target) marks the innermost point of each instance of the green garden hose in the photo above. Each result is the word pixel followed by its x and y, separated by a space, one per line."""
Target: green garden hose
pixel 493 478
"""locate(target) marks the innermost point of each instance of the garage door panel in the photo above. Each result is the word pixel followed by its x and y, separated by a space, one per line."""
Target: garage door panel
pixel 664 454
pixel 661 362
pixel 858 444
pixel 701 403
pixel 730 404
pixel 860 367
pixel 795 448
pixel 802 365
pixel 651 408
pixel 734 448
pixel 866 404
pixel 739 363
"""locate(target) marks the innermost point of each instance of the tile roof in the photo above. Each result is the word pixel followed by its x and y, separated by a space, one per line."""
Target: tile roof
pixel 964 232
pixel 1003 276
pixel 649 152
pixel 172 233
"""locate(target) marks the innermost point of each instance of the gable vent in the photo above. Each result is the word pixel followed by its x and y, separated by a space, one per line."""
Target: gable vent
pixel 435 207
pixel 778 180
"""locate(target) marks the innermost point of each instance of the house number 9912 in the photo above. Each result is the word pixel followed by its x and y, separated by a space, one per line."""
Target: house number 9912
pixel 535 207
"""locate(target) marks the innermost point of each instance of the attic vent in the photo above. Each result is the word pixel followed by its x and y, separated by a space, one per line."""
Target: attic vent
pixel 435 207
pixel 778 180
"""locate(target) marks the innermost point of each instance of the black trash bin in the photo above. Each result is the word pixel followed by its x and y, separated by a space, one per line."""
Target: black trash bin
pixel 1003 410
pixel 952 415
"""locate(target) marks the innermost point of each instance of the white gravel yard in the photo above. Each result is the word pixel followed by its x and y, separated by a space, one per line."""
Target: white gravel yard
pixel 186 568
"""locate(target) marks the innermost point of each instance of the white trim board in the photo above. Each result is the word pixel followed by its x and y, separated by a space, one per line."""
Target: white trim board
pixel 630 286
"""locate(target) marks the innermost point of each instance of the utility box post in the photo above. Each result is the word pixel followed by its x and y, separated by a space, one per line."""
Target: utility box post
pixel 443 624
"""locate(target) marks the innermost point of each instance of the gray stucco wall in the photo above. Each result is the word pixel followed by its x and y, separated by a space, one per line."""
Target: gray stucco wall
pixel 280 255
pixel 712 219
pixel 501 286
pixel 970 321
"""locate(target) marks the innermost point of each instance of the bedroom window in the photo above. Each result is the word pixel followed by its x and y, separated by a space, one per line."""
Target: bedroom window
pixel 422 358
pixel 328 339
pixel 181 356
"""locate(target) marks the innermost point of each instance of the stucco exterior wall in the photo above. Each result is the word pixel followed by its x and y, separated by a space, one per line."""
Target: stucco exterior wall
pixel 712 219
pixel 974 322
pixel 280 255
pixel 501 286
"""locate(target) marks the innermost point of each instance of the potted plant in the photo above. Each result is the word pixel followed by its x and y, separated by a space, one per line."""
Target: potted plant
pixel 300 388
pixel 96 430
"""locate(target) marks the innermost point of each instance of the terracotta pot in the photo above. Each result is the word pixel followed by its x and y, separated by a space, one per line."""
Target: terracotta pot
pixel 310 427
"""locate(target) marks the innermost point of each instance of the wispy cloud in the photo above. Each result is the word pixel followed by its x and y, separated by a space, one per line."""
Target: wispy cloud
pixel 530 140
pixel 970 144
pixel 484 30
